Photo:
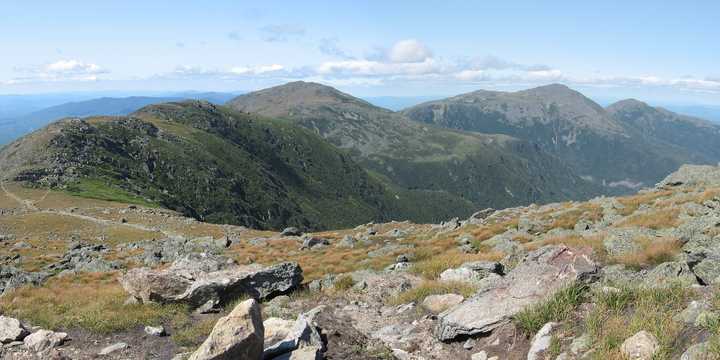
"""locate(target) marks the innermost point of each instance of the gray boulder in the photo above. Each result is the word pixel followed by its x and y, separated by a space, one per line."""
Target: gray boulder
pixel 197 288
pixel 310 242
pixel 693 175
pixel 42 341
pixel 291 231
pixel 708 270
pixel 539 275
pixel 239 335
pixel 302 335
pixel 670 273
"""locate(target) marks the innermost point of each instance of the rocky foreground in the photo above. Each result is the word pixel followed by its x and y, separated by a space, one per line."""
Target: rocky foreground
pixel 611 278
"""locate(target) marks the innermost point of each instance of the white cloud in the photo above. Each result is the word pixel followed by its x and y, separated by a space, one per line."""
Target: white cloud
pixel 61 70
pixel 72 67
pixel 409 51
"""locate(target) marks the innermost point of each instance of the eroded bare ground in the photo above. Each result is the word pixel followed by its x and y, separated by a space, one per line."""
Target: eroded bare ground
pixel 604 270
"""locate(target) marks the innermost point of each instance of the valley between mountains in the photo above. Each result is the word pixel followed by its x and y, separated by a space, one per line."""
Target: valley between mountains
pixel 299 222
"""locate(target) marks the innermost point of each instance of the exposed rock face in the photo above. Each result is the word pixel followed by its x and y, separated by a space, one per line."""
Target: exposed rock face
pixel 83 258
pixel 239 335
pixel 692 175
pixel 539 275
pixel 641 346
pixel 194 285
pixel 11 278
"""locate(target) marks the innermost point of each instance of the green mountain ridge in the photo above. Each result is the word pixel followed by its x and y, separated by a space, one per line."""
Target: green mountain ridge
pixel 488 170
pixel 216 165
pixel 598 144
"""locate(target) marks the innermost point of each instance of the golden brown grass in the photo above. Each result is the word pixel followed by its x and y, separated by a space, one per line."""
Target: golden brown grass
pixel 632 203
pixel 594 241
pixel 656 220
pixel 92 302
pixel 652 252
pixel 429 265
pixel 431 287
pixel 568 219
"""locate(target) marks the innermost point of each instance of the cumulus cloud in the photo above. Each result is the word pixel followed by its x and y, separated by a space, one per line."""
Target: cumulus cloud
pixel 61 70
pixel 409 51
pixel 281 32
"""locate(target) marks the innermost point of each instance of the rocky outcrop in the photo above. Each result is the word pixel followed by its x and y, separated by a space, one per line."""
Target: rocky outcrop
pixel 209 284
pixel 239 335
pixel 693 175
pixel 11 278
pixel 539 275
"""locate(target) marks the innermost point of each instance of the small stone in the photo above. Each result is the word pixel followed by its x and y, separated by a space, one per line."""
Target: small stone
pixel 469 344
pixel 291 231
pixel 155 330
pixel 641 346
pixel 479 356
pixel 113 348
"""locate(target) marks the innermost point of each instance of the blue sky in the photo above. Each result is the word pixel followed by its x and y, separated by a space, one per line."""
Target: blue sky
pixel 652 50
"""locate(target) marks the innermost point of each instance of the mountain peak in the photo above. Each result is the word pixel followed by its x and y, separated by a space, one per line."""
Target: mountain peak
pixel 627 104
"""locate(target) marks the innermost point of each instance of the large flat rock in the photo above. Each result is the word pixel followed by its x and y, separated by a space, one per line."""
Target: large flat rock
pixel 539 275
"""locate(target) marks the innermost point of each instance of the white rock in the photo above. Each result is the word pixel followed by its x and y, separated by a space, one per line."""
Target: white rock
pixel 44 340
pixel 113 348
pixel 11 330
pixel 641 346
pixel 155 330
pixel 479 356
pixel 541 341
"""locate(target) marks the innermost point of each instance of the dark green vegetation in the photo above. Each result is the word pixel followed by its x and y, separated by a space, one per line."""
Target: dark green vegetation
pixel 214 164
pixel 623 147
pixel 486 170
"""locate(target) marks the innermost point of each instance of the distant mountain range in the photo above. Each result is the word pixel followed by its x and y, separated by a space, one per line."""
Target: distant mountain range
pixel 627 145
pixel 19 125
pixel 308 155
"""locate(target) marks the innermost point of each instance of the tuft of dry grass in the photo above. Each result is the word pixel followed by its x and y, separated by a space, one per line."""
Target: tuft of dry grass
pixel 94 302
pixel 656 220
pixel 652 252
pixel 632 203
pixel 433 287
pixel 574 241
pixel 430 265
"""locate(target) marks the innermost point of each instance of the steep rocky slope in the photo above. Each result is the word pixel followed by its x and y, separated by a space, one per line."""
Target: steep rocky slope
pixel 611 278
pixel 615 148
pixel 488 170
pixel 213 164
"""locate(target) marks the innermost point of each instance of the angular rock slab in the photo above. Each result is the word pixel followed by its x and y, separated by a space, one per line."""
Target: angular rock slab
pixel 217 287
pixel 11 330
pixel 239 335
pixel 539 275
